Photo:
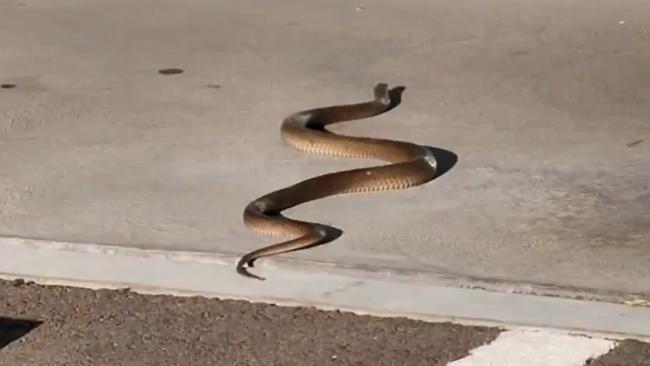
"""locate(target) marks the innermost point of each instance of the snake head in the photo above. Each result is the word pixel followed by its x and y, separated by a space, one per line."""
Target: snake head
pixel 381 93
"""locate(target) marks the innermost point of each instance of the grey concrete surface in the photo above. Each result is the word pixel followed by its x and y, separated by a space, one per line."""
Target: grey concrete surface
pixel 106 328
pixel 545 103
pixel 362 292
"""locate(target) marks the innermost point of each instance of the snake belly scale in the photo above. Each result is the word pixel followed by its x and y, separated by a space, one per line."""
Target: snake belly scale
pixel 410 165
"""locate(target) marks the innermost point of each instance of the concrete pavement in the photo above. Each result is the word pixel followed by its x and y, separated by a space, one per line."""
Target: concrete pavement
pixel 71 326
pixel 545 104
pixel 389 294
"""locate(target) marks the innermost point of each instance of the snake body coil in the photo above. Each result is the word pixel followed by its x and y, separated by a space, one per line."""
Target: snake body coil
pixel 411 165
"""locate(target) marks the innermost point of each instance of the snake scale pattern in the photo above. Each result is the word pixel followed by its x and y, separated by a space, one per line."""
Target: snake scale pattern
pixel 409 165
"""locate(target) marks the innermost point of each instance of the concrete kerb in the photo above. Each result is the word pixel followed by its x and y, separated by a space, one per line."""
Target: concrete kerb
pixel 325 286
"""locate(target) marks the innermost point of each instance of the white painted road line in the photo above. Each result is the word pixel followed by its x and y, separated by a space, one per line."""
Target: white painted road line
pixel 537 348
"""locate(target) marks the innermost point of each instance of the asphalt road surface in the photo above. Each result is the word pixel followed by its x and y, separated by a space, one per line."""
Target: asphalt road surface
pixel 53 325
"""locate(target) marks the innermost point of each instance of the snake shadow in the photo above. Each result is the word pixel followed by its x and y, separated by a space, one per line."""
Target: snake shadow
pixel 445 161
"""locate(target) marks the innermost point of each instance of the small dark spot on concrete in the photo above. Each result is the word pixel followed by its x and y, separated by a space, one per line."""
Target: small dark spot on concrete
pixel 7 86
pixel 634 143
pixel 170 71
pixel 519 52
pixel 214 86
